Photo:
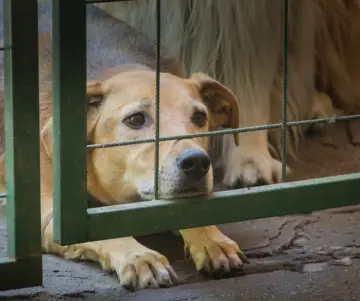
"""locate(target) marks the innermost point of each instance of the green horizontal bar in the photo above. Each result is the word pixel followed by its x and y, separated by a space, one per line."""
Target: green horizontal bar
pixel 298 197
pixel 20 273
pixel 228 131
pixel 105 1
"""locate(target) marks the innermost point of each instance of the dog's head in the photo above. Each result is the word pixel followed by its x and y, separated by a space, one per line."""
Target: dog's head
pixel 123 107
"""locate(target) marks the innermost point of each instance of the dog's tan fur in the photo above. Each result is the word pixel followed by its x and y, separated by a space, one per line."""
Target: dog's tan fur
pixel 123 174
pixel 238 42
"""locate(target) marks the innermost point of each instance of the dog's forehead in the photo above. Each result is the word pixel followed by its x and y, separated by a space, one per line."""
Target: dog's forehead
pixel 140 86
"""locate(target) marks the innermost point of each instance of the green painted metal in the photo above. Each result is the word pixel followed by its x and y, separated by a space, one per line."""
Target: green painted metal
pixel 284 90
pixel 299 197
pixel 157 216
pixel 73 222
pixel 69 120
pixel 22 146
pixel 20 273
pixel 157 97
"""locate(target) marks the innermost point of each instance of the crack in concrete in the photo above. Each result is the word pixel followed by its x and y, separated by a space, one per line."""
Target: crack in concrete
pixel 297 237
pixel 185 298
pixel 253 251
pixel 281 228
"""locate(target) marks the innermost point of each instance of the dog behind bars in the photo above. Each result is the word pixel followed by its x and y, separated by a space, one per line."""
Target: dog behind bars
pixel 239 42
pixel 121 106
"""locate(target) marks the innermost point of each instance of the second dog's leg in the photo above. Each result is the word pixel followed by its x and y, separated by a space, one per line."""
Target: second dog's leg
pixel 259 48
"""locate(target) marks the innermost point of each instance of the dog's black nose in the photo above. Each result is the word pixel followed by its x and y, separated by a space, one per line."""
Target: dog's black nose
pixel 195 163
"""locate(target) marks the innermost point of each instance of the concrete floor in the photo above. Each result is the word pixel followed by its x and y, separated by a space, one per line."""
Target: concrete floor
pixel 309 257
pixel 332 284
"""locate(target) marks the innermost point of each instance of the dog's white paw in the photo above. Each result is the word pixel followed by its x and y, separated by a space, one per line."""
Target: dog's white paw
pixel 144 269
pixel 212 251
pixel 249 167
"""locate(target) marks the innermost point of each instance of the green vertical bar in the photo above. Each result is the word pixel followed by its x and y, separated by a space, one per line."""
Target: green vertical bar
pixel 284 100
pixel 69 121
pixel 22 128
pixel 157 96
pixel 20 273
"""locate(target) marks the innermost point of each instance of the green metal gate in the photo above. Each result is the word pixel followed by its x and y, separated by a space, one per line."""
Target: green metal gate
pixel 70 195
pixel 22 146
pixel 73 221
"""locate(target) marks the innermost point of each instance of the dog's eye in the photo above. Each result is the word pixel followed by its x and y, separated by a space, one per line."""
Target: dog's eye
pixel 199 118
pixel 135 121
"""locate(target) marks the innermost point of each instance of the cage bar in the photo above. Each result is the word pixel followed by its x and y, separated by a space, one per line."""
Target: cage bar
pixel 20 273
pixel 69 120
pixel 157 97
pixel 229 131
pixel 22 146
pixel 22 128
pixel 284 90
pixel 223 207
pixel 160 215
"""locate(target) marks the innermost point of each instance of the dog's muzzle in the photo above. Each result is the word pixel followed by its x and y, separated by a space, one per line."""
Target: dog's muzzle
pixel 185 175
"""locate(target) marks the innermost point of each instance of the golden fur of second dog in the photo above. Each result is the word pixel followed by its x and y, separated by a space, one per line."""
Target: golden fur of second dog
pixel 239 43
pixel 121 106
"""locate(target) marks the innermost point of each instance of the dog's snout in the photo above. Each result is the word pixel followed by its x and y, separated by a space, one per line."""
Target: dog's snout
pixel 194 163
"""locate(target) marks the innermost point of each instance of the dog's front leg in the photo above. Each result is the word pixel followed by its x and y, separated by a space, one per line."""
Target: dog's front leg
pixel 135 265
pixel 250 163
pixel 211 250
pixel 258 54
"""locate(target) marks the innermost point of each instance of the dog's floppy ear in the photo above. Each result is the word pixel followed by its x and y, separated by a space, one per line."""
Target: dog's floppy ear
pixel 221 102
pixel 95 95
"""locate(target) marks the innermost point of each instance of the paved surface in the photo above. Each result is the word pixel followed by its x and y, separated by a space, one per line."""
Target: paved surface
pixel 311 257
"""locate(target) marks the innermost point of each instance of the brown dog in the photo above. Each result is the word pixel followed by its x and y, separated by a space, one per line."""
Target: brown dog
pixel 121 106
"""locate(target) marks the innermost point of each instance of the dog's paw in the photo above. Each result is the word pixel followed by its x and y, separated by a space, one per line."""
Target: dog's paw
pixel 139 270
pixel 322 108
pixel 136 268
pixel 212 251
pixel 250 167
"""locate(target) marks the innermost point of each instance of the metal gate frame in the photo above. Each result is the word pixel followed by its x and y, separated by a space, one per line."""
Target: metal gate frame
pixel 70 194
pixel 22 146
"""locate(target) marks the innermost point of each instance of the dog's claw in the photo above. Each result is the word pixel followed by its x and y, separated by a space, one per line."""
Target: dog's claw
pixel 243 257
